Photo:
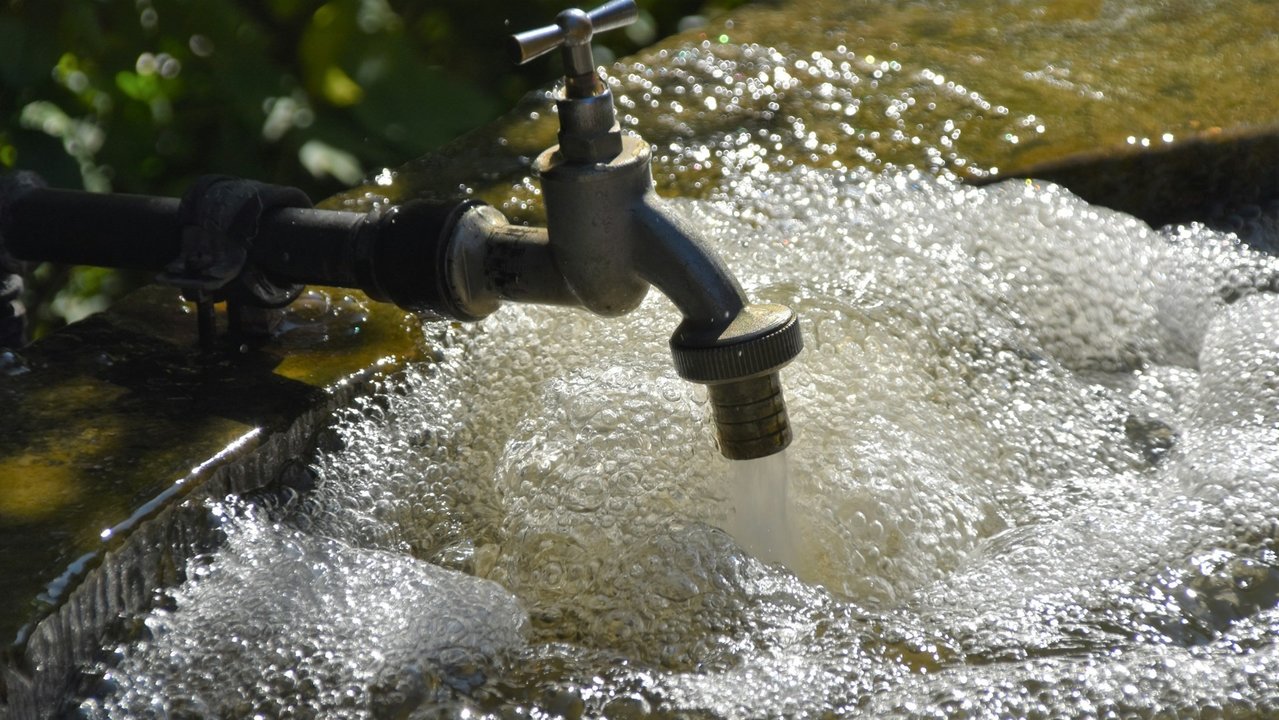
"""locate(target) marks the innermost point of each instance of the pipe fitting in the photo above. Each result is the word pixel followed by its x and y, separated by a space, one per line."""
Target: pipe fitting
pixel 750 417
pixel 589 131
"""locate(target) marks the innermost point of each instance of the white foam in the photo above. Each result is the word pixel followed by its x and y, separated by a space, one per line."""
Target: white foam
pixel 281 623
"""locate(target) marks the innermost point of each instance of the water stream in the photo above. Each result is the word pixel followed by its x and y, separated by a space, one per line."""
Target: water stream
pixel 760 518
pixel 1035 474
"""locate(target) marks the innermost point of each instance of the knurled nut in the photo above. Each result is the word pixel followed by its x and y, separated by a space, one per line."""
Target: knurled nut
pixel 736 361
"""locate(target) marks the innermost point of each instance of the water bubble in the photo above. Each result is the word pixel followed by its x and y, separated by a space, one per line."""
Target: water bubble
pixel 201 45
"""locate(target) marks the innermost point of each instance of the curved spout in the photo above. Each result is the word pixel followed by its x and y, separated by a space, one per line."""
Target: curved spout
pixel 675 259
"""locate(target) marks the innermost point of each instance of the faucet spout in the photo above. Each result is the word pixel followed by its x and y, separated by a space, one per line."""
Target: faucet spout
pixel 676 259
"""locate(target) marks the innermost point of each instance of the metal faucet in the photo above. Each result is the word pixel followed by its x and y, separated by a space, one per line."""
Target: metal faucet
pixel 608 238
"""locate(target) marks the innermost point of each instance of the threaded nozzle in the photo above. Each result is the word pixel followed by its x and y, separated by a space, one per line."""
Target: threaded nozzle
pixel 750 417
pixel 740 363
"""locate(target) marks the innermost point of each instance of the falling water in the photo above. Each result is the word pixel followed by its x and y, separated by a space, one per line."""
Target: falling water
pixel 1034 474
pixel 760 519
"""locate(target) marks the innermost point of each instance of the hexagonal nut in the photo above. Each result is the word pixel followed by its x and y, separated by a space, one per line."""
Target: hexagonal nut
pixel 596 148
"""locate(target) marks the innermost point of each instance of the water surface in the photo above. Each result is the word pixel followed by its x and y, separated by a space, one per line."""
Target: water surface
pixel 1034 474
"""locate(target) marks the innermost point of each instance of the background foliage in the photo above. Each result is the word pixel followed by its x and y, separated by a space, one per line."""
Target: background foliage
pixel 142 96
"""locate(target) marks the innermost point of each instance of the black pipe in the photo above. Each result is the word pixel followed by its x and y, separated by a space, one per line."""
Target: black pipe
pixel 396 255
pixel 140 232
pixel 73 227
pixel 310 247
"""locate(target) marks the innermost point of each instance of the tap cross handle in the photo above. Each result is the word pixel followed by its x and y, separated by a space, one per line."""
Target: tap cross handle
pixel 572 31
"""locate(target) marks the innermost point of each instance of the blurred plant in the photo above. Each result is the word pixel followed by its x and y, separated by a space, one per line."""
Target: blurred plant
pixel 143 96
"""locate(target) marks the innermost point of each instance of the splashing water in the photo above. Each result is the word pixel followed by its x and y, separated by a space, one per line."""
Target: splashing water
pixel 1035 474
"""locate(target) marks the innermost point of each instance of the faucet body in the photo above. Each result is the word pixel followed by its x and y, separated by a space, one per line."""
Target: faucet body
pixel 609 237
